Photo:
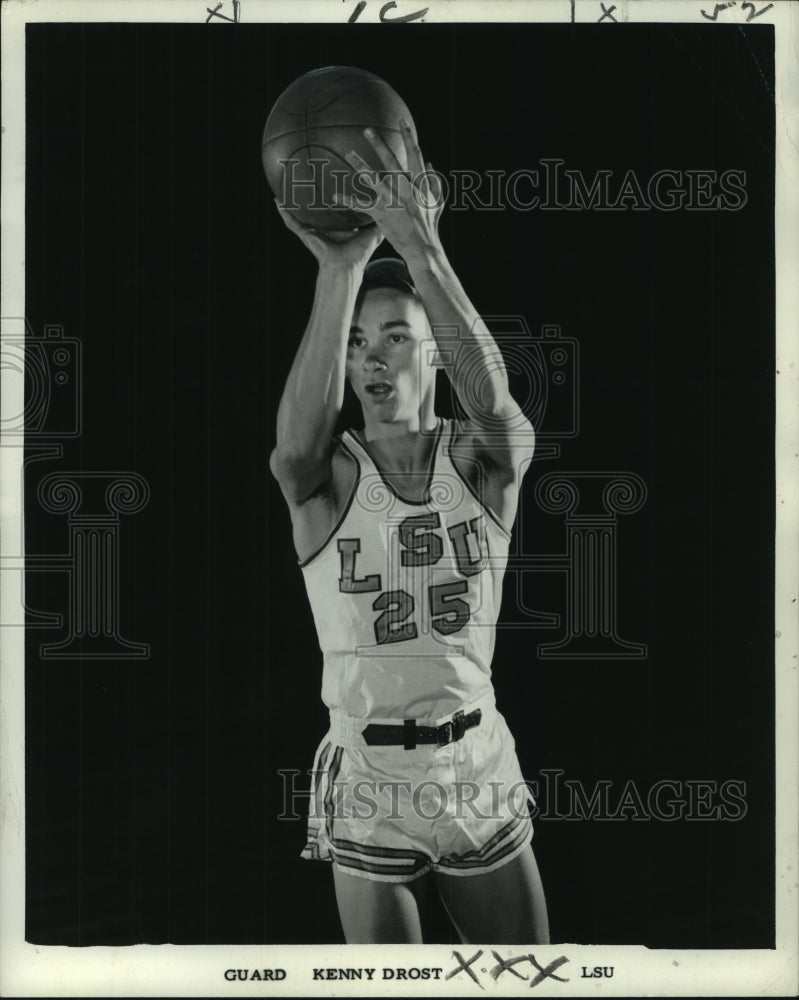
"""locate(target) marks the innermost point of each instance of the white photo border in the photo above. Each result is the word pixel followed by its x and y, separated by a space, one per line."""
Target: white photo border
pixel 194 970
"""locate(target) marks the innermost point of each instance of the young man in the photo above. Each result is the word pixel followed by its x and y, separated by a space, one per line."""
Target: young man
pixel 402 534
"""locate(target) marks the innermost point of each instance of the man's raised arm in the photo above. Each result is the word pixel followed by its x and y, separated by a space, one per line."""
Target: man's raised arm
pixel 470 353
pixel 408 216
pixel 314 390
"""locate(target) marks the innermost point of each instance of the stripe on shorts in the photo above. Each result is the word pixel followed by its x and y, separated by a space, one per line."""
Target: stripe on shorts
pixel 504 842
pixel 350 854
pixel 318 782
pixel 332 773
pixel 401 866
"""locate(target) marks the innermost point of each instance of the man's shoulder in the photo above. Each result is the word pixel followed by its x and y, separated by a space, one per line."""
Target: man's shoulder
pixel 345 466
pixel 344 450
pixel 335 486
pixel 317 515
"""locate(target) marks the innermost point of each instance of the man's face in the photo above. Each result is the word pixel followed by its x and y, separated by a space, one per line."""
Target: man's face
pixel 387 355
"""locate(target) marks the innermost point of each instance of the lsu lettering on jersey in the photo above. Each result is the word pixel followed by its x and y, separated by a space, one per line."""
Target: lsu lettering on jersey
pixel 405 594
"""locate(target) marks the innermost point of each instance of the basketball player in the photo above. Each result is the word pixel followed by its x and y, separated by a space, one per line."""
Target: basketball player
pixel 402 534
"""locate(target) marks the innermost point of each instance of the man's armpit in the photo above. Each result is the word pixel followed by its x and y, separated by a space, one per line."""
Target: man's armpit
pixel 501 453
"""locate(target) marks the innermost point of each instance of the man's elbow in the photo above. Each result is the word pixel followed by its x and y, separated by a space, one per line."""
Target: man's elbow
pixel 288 461
pixel 524 436
pixel 276 465
pixel 287 467
pixel 508 418
pixel 298 475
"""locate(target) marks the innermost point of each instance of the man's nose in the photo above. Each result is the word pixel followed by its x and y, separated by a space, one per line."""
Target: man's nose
pixel 374 362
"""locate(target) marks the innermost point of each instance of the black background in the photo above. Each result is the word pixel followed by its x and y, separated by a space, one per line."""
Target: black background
pixel 152 787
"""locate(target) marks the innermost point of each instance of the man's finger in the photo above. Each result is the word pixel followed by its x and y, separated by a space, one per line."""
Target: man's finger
pixel 433 180
pixel 383 150
pixel 414 153
pixel 358 163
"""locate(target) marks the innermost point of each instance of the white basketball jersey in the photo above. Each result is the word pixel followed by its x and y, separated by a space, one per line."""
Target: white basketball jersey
pixel 405 594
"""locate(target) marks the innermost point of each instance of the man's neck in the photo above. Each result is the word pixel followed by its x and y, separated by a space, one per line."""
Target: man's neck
pixel 401 447
pixel 404 430
pixel 421 424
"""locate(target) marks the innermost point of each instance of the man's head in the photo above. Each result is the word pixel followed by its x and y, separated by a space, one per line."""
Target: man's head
pixel 389 353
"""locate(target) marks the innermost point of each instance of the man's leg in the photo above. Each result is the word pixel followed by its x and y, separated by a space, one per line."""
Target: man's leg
pixel 506 906
pixel 379 912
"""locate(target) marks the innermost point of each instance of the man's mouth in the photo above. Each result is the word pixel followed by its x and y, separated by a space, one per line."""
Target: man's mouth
pixel 379 390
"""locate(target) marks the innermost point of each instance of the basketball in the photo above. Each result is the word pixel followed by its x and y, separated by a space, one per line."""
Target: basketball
pixel 314 123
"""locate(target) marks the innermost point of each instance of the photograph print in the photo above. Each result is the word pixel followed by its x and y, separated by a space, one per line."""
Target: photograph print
pixel 398 475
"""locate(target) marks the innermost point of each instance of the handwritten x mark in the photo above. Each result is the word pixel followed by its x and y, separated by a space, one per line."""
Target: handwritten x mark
pixel 506 965
pixel 547 973
pixel 223 17
pixel 464 966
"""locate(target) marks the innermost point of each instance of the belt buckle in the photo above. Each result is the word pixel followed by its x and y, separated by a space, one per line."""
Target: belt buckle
pixel 451 732
pixel 445 735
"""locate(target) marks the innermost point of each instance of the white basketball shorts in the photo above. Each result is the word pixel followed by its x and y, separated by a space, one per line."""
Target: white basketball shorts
pixel 390 814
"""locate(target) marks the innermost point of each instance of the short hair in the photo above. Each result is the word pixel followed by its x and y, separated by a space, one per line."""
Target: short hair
pixel 387 272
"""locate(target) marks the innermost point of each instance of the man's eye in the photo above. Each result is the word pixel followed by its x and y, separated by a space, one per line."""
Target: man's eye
pixel 355 342
pixel 396 338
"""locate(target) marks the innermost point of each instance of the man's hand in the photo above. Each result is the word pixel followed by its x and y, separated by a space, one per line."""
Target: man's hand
pixel 340 249
pixel 406 209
